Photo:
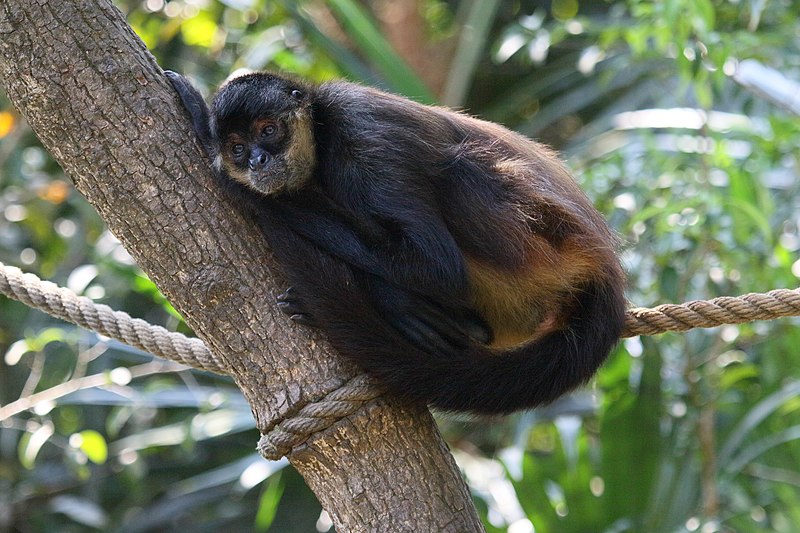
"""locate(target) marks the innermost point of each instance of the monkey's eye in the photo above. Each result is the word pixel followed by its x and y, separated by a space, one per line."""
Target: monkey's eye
pixel 297 94
pixel 269 130
pixel 237 149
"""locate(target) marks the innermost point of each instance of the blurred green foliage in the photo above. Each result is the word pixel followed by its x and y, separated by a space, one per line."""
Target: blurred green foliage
pixel 697 171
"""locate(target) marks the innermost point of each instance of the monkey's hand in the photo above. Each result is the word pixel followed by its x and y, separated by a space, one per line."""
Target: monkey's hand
pixel 198 109
pixel 291 304
pixel 431 328
pixel 425 323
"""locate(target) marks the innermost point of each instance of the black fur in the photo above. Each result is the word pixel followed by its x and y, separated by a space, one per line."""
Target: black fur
pixel 374 245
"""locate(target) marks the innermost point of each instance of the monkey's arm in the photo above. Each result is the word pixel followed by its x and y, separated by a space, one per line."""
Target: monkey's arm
pixel 428 326
pixel 429 307
pixel 410 247
pixel 198 110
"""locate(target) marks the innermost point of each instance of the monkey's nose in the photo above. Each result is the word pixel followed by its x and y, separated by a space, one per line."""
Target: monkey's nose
pixel 258 160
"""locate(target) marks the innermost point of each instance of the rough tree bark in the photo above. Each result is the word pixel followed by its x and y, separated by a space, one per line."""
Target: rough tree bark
pixel 100 104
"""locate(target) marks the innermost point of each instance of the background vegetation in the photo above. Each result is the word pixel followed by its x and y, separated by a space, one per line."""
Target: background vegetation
pixel 654 104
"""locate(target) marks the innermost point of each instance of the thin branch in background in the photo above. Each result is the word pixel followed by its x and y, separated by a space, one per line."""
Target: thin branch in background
pixel 37 366
pixel 769 83
pixel 769 473
pixel 87 382
pixel 87 356
pixel 472 41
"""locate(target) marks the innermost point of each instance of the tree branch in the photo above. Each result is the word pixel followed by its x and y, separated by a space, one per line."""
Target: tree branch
pixel 101 105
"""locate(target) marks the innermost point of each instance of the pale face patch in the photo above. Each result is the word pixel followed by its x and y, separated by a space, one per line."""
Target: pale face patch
pixel 289 169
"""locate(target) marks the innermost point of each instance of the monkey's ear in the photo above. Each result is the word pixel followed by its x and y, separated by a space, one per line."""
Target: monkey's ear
pixel 198 109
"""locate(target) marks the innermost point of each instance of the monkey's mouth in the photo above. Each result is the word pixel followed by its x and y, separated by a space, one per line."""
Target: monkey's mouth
pixel 273 178
pixel 268 180
pixel 265 182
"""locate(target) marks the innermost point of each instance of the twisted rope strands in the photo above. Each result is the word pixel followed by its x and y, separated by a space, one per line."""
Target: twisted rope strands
pixel 351 396
pixel 66 305
pixel 318 416
pixel 714 312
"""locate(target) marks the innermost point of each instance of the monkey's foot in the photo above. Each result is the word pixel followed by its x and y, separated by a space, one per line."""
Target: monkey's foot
pixel 290 303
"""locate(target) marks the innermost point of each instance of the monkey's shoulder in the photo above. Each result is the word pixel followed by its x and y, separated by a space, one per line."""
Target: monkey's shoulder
pixel 375 113
pixel 368 106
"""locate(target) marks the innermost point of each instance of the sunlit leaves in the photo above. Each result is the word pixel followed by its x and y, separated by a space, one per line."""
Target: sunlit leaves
pixel 268 504
pixel 199 30
pixel 564 9
pixel 7 122
pixel 91 444
pixel 34 343
pixel 362 29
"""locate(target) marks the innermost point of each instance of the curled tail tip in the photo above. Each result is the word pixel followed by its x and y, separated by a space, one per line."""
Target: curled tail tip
pixel 541 371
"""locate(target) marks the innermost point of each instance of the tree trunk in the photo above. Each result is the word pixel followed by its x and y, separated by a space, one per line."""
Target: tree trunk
pixel 100 104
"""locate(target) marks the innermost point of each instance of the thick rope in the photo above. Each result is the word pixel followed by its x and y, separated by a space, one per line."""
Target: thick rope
pixel 714 312
pixel 66 305
pixel 317 416
pixel 351 396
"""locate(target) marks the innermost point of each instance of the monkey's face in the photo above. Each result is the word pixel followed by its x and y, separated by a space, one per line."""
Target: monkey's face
pixel 265 133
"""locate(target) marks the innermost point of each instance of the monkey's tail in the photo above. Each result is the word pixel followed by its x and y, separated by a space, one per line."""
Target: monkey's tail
pixel 487 382
pixel 538 372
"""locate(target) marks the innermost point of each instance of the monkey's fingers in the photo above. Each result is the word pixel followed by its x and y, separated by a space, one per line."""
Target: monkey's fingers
pixel 457 326
pixel 292 306
pixel 424 321
pixel 306 320
pixel 424 336
pixel 477 329
pixel 288 295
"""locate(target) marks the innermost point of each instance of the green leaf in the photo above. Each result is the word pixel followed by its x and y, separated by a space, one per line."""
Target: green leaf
pixel 747 217
pixel 753 451
pixel 199 30
pixel 93 444
pixel 704 16
pixel 473 38
pixel 754 417
pixel 268 504
pixel 347 62
pixel 737 373
pixel 364 32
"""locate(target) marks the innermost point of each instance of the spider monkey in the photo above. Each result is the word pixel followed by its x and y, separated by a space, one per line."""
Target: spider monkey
pixel 454 259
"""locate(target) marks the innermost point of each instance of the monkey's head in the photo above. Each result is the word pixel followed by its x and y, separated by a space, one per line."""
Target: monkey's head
pixel 264 130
